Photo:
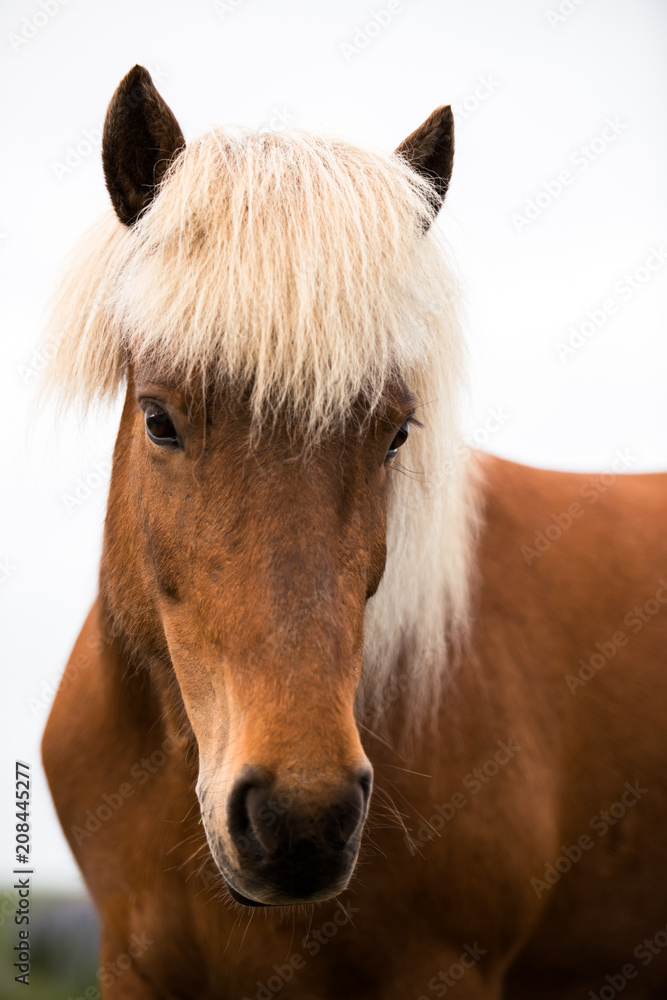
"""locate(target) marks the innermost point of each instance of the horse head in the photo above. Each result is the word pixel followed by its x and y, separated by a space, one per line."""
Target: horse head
pixel 247 519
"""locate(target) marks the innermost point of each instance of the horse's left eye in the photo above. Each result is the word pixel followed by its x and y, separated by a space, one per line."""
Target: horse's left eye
pixel 159 426
pixel 399 440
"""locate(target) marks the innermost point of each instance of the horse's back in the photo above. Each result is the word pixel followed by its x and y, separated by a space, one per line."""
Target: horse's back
pixel 582 560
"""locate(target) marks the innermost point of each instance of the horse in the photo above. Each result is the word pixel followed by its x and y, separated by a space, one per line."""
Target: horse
pixel 341 722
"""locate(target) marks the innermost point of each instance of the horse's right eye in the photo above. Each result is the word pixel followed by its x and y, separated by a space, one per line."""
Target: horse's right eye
pixel 159 426
pixel 399 440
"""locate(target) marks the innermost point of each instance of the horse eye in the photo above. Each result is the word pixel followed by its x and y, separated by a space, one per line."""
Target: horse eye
pixel 399 440
pixel 159 426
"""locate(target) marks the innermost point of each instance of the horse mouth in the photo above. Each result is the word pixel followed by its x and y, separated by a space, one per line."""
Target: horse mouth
pixel 240 898
pixel 286 888
pixel 286 894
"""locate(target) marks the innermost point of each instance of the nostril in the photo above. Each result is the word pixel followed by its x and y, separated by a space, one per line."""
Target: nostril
pixel 349 814
pixel 264 823
pixel 249 793
pixel 263 814
pixel 365 779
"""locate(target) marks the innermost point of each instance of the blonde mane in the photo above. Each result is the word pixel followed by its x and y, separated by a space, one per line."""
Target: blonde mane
pixel 298 266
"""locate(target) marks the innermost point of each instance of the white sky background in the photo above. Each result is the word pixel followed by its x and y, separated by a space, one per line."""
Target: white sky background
pixel 550 89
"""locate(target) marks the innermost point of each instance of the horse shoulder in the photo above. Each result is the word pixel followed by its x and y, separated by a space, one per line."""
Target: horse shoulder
pixel 74 736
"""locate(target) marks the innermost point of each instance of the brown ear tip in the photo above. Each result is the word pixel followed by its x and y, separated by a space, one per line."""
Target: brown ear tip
pixel 444 113
pixel 138 74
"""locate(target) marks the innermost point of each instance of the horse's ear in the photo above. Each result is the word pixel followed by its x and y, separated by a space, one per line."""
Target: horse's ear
pixel 139 141
pixel 430 151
